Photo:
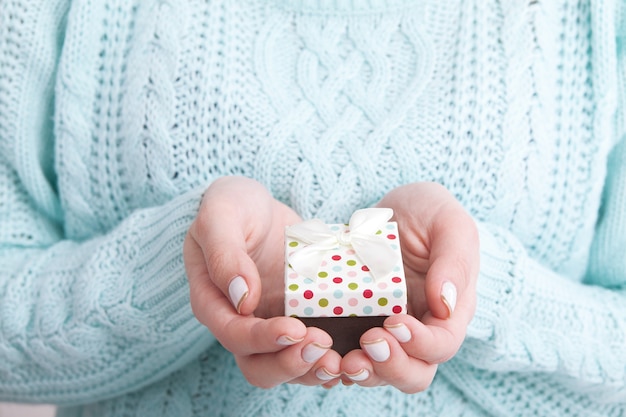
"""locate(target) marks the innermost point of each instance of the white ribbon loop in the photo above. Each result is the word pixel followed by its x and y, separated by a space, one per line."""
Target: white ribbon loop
pixel 371 248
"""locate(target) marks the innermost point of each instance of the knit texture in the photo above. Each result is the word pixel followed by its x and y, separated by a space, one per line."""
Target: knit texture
pixel 116 115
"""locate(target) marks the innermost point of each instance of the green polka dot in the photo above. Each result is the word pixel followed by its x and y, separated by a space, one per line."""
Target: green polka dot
pixel 351 262
pixel 353 285
pixel 294 315
pixel 293 287
pixel 382 301
pixel 323 302
pixel 352 315
pixel 379 232
pixel 322 274
pixel 293 244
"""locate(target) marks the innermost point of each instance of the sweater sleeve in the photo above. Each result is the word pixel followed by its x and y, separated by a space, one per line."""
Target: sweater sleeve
pixel 79 320
pixel 533 321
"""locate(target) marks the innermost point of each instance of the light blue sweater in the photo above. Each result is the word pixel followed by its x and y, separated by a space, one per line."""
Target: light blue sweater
pixel 116 114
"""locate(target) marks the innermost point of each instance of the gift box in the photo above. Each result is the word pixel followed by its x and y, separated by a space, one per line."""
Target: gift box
pixel 345 278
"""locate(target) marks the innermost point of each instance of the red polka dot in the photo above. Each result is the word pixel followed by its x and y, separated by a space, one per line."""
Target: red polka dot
pixel 337 310
pixel 336 258
pixel 396 279
pixel 368 293
pixel 391 237
pixel 337 280
pixel 397 309
pixel 365 268
pixel 308 294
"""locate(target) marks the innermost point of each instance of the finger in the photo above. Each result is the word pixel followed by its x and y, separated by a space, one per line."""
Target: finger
pixel 431 340
pixel 326 371
pixel 223 247
pixel 454 262
pixel 392 365
pixel 357 368
pixel 243 335
pixel 270 369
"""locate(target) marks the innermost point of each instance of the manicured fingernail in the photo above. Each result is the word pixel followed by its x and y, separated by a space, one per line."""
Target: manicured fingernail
pixel 288 340
pixel 362 375
pixel 399 331
pixel 313 351
pixel 325 375
pixel 377 349
pixel 448 296
pixel 238 291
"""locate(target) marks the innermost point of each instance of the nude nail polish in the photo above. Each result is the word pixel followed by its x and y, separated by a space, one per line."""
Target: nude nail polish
pixel 399 331
pixel 362 375
pixel 378 349
pixel 313 351
pixel 238 291
pixel 448 296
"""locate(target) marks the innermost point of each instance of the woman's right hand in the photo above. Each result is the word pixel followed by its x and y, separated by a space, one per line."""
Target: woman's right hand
pixel 234 258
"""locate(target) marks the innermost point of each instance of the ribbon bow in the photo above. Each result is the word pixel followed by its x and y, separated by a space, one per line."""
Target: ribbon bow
pixel 371 248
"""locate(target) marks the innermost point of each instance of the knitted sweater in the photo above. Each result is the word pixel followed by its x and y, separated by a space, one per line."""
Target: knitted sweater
pixel 115 115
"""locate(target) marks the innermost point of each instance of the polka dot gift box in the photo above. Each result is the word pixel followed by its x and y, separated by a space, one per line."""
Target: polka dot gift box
pixel 343 278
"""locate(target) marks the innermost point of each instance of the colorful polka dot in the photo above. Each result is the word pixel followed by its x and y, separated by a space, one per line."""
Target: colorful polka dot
pixel 293 244
pixel 397 309
pixel 309 311
pixel 382 301
pixel 353 302
pixel 367 310
pixel 368 293
pixel 323 302
pixel 353 286
pixel 308 294
pixel 294 287
pixel 338 294
pixel 351 262
pixel 337 268
pixel 365 268
pixel 397 280
pixel 398 293
pixel 391 237
pixel 322 274
pixel 337 280
pixel 336 258
pixel 293 302
pixel 338 310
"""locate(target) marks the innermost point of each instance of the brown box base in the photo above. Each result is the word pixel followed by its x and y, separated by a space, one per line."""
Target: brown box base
pixel 345 331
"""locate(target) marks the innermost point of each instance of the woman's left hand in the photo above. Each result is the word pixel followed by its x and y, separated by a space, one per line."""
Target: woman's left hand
pixel 440 249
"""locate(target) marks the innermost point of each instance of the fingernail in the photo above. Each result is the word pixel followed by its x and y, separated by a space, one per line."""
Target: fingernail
pixel 399 331
pixel 448 296
pixel 324 375
pixel 313 351
pixel 238 291
pixel 377 349
pixel 288 340
pixel 362 375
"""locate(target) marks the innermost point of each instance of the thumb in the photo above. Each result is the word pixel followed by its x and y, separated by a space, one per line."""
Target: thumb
pixel 454 263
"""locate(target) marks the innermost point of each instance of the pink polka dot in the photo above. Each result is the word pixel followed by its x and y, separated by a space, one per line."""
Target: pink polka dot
pixel 308 294
pixel 293 303
pixel 324 263
pixel 368 293
pixel 336 258
pixel 353 302
pixel 337 280
pixel 397 280
pixel 293 275
pixel 350 252
pixel 323 287
pixel 337 310
pixel 365 268
pixel 382 285
pixel 391 237
pixel 397 309
pixel 351 274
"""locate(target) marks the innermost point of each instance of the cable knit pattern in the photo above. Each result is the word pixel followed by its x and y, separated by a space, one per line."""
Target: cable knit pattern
pixel 115 115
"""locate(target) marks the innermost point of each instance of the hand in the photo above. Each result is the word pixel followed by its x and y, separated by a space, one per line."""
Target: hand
pixel 440 249
pixel 234 258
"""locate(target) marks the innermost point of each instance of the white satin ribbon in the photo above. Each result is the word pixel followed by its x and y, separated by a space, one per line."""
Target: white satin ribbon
pixel 372 249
